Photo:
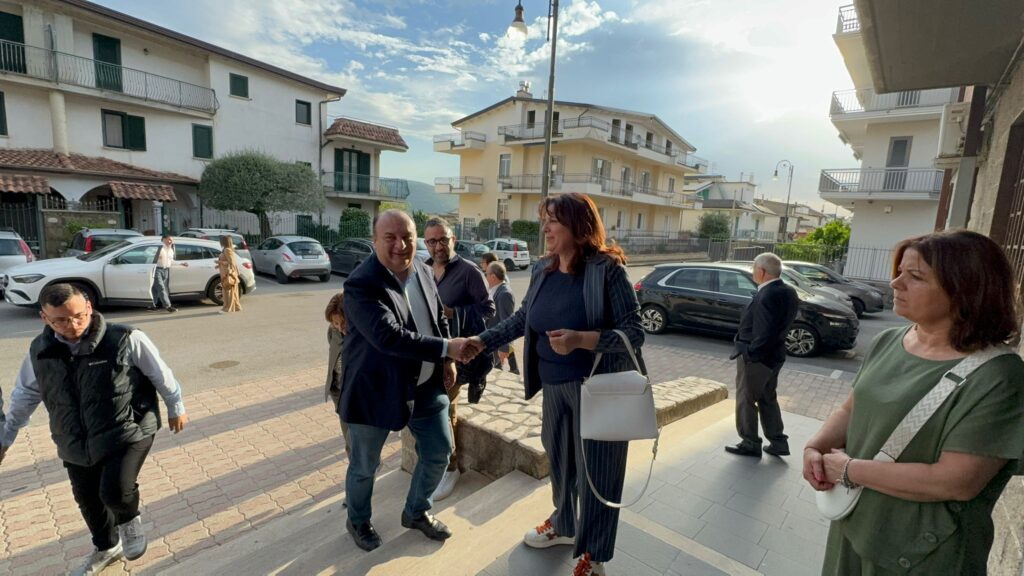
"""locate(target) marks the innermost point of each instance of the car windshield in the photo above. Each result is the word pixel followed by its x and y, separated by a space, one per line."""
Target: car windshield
pixel 104 240
pixel 10 247
pixel 797 280
pixel 97 254
pixel 305 248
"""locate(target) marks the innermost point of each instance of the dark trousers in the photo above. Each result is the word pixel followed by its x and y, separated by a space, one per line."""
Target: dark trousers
pixel 755 395
pixel 162 287
pixel 513 365
pixel 577 512
pixel 107 493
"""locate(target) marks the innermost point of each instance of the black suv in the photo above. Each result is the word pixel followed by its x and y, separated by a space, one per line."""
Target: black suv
pixel 710 297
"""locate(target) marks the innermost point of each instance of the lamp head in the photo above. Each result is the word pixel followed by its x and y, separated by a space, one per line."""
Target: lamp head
pixel 775 176
pixel 518 24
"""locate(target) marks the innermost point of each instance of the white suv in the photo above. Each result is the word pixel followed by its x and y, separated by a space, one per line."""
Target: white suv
pixel 515 254
pixel 122 273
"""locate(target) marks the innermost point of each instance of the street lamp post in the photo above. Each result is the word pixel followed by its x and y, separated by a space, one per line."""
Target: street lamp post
pixel 519 25
pixel 789 190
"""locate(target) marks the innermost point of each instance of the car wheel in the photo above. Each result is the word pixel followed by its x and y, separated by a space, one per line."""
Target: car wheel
pixel 858 308
pixel 90 294
pixel 282 278
pixel 653 319
pixel 325 277
pixel 215 292
pixel 802 341
pixel 510 265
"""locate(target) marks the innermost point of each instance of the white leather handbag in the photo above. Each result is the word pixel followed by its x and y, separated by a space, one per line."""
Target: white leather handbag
pixel 618 407
pixel 839 501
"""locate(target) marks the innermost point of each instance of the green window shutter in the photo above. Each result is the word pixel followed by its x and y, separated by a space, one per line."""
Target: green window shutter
pixel 239 85
pixel 202 141
pixel 135 132
pixel 3 115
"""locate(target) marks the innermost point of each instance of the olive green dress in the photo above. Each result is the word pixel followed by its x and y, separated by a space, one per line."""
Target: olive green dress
pixel 886 535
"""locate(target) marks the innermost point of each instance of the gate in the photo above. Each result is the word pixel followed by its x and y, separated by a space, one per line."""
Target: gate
pixel 1008 215
pixel 23 218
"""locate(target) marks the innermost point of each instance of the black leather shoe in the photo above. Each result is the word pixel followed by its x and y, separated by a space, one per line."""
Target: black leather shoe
pixel 364 535
pixel 743 450
pixel 777 450
pixel 431 527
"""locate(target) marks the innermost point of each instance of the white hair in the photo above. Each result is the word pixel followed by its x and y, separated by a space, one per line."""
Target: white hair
pixel 770 263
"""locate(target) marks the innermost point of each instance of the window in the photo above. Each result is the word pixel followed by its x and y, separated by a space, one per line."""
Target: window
pixel 600 168
pixel 554 123
pixel 668 147
pixel 303 112
pixel 671 184
pixel 645 182
pixel 504 165
pixel 140 255
pixel 531 118
pixel 122 130
pixel 692 279
pixel 239 85
pixel 640 221
pixel 355 205
pixel 202 141
pixel 3 115
pixel 189 252
pixel 107 62
pixel 649 142
pixel 735 283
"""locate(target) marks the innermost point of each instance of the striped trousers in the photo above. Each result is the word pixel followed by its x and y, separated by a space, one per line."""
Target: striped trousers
pixel 577 512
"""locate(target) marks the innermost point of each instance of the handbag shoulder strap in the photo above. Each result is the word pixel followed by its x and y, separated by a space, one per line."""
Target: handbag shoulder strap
pixel 927 406
pixel 629 348
pixel 650 471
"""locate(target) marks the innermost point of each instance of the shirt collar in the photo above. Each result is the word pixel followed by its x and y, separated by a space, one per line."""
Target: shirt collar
pixel 767 283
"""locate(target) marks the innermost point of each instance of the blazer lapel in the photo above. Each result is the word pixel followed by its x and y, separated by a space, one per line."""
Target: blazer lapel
pixel 394 291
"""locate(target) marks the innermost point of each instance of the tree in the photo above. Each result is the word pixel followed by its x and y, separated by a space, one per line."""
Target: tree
pixel 714 225
pixel 835 233
pixel 355 223
pixel 260 184
pixel 420 218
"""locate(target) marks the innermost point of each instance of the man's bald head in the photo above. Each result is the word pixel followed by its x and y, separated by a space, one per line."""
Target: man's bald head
pixel 394 240
pixel 390 214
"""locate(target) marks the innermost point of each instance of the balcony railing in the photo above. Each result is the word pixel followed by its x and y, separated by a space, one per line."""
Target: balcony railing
pixel 586 122
pixel 352 183
pixel 867 100
pixel 609 186
pixel 524 131
pixel 62 68
pixel 881 181
pixel 627 139
pixel 848 21
pixel 467 183
pixel 461 138
pixel 692 161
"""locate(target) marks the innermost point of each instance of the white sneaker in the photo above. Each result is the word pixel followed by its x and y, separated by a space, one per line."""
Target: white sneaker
pixel 544 536
pixel 447 485
pixel 99 560
pixel 587 567
pixel 133 538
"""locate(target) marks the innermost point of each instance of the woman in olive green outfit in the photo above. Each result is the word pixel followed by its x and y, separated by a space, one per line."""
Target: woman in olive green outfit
pixel 228 276
pixel 929 512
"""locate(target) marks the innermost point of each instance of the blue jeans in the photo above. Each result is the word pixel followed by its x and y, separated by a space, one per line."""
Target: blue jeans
pixel 161 288
pixel 433 447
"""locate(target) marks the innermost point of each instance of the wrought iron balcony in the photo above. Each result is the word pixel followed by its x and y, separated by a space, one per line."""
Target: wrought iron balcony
pixel 363 184
pixel 869 181
pixel 848 21
pixel 62 68
pixel 867 100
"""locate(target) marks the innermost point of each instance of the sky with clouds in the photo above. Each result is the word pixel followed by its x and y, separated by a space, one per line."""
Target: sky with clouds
pixel 747 82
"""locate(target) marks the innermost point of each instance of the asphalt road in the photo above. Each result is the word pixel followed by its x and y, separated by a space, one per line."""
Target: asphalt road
pixel 282 330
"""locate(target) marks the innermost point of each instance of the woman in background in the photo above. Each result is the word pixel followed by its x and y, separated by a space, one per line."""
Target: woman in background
pixel 228 268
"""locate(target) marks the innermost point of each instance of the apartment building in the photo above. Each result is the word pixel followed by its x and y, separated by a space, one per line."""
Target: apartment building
pixel 104 112
pixel 736 199
pixel 902 141
pixel 630 163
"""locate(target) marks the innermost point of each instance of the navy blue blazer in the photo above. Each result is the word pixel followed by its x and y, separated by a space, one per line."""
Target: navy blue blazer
pixel 762 333
pixel 382 354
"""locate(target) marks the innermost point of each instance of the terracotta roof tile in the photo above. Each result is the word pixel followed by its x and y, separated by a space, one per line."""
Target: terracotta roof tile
pixel 140 191
pixel 19 183
pixel 366 131
pixel 79 163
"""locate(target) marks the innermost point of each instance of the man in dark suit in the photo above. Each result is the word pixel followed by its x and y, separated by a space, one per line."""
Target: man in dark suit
pixel 505 303
pixel 396 363
pixel 760 352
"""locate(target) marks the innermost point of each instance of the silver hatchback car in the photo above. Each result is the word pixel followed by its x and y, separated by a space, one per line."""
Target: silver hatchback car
pixel 13 252
pixel 288 257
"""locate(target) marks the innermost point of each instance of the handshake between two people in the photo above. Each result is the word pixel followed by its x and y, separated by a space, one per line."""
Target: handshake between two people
pixel 562 341
pixel 465 349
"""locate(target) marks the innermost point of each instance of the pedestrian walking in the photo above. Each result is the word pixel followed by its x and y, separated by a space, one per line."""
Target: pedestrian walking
pixel 99 383
pixel 505 306
pixel 228 268
pixel 929 511
pixel 162 275
pixel 579 296
pixel 336 328
pixel 486 258
pixel 760 352
pixel 467 306
pixel 395 373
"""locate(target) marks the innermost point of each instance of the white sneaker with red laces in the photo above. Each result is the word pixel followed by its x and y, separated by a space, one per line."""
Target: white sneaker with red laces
pixel 587 567
pixel 544 536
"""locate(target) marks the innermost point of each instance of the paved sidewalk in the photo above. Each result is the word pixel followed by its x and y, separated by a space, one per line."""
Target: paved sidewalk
pixel 253 453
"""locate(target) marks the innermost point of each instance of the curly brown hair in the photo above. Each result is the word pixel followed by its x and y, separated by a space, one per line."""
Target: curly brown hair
pixel 579 214
pixel 334 308
pixel 976 275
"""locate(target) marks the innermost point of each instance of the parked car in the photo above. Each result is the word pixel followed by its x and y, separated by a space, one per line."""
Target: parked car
pixel 865 298
pixel 348 254
pixel 794 278
pixel 470 250
pixel 122 273
pixel 288 257
pixel 88 239
pixel 421 250
pixel 13 251
pixel 711 297
pixel 237 240
pixel 515 254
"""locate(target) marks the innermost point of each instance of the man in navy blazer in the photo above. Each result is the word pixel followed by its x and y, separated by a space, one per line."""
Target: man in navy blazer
pixel 397 358
pixel 760 352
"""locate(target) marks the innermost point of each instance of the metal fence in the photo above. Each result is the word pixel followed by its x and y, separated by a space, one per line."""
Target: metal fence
pixel 328 230
pixel 23 218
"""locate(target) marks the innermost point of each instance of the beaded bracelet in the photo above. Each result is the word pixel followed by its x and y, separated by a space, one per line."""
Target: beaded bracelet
pixel 845 479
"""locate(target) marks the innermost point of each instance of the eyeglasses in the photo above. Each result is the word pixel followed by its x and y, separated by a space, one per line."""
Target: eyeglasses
pixel 64 322
pixel 443 240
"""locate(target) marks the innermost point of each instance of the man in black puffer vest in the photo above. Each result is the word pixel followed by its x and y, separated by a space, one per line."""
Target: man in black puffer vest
pixel 99 383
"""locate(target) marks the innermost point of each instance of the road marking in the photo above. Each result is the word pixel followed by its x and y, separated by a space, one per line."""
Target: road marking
pixel 836 374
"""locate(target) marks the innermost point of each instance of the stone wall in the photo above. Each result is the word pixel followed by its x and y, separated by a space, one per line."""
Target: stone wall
pixel 57 236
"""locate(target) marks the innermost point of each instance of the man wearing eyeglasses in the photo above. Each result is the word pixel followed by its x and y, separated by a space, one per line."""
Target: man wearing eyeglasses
pixel 467 305
pixel 99 383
